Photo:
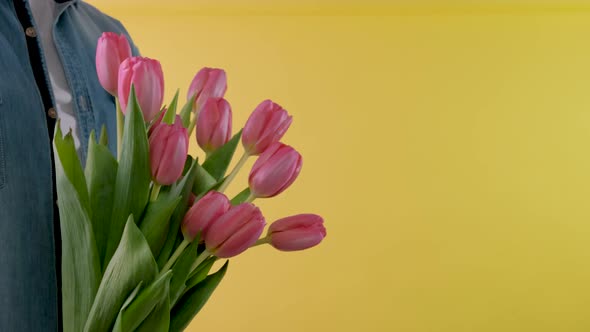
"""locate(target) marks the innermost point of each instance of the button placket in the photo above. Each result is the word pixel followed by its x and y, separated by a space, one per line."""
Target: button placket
pixel 31 32
pixel 52 113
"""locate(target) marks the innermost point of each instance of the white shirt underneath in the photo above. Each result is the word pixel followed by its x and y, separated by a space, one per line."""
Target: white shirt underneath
pixel 44 12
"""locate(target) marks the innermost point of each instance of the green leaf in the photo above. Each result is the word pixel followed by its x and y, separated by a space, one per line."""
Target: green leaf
pixel 203 182
pixel 132 296
pixel 158 320
pixel 183 189
pixel 104 138
pixel 156 220
pixel 241 197
pixel 133 175
pixel 101 171
pixel 218 162
pixel 66 151
pixel 188 164
pixel 187 110
pixel 131 264
pixel 118 324
pixel 200 273
pixel 133 314
pixel 80 265
pixel 170 115
pixel 191 303
pixel 181 270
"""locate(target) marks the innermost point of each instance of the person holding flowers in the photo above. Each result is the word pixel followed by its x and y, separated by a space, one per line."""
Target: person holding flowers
pixel 139 223
pixel 47 71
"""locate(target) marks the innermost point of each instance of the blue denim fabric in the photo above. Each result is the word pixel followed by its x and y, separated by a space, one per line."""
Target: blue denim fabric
pixel 28 273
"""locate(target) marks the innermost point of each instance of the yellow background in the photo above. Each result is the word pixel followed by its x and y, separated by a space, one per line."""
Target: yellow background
pixel 447 145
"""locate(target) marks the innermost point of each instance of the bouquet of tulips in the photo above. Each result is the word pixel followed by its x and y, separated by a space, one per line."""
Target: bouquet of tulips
pixel 141 231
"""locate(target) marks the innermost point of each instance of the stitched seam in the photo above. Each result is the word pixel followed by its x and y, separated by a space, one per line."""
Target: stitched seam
pixel 2 155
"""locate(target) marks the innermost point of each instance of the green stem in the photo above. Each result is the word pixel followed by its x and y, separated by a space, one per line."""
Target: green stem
pixel 120 125
pixel 234 172
pixel 261 241
pixel 192 125
pixel 155 192
pixel 250 198
pixel 202 257
pixel 175 256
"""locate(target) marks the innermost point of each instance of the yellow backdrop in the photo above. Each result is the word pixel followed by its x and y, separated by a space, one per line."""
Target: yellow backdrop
pixel 448 149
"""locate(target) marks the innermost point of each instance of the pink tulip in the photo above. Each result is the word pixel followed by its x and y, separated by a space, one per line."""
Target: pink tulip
pixel 207 83
pixel 214 124
pixel 111 50
pixel 235 231
pixel 147 78
pixel 168 151
pixel 275 170
pixel 266 125
pixel 297 232
pixel 203 213
pixel 156 122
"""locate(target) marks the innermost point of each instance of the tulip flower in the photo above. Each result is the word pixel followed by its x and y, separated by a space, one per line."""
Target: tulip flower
pixel 214 124
pixel 207 83
pixel 198 220
pixel 157 121
pixel 147 78
pixel 265 126
pixel 297 232
pixel 203 213
pixel 235 231
pixel 168 151
pixel 274 171
pixel 111 50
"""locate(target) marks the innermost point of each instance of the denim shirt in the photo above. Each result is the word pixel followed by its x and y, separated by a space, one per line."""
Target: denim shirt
pixel 29 232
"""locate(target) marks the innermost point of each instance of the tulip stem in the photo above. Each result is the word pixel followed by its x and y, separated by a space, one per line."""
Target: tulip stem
pixel 234 172
pixel 192 125
pixel 155 192
pixel 120 124
pixel 250 198
pixel 263 240
pixel 202 257
pixel 175 256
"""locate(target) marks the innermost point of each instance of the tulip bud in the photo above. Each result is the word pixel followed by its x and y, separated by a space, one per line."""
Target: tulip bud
pixel 214 124
pixel 156 122
pixel 265 126
pixel 111 50
pixel 207 83
pixel 203 213
pixel 235 231
pixel 274 171
pixel 168 151
pixel 147 78
pixel 297 232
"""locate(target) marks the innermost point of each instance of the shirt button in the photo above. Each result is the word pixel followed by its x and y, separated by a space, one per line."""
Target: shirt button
pixel 52 113
pixel 31 32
